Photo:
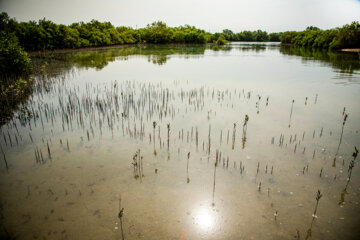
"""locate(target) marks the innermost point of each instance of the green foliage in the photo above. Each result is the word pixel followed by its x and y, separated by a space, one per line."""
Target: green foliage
pixel 248 36
pixel 229 35
pixel 221 40
pixel 312 28
pixel 46 35
pixel 15 85
pixel 13 59
pixel 14 91
pixel 347 36
pixel 15 65
pixel 274 37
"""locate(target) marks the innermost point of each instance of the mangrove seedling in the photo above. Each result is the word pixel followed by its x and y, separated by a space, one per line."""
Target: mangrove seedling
pixel 120 216
pixel 6 164
pixel 168 140
pixel 276 215
pixel 244 131
pixel 187 168
pixel 216 163
pixel 341 136
pixel 209 146
pixel 318 196
pixel 351 166
pixel 292 105
pixel 233 137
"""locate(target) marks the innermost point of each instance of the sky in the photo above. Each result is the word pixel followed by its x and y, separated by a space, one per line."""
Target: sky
pixel 210 15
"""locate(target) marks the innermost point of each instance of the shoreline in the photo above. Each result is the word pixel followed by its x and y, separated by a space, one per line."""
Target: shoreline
pixel 67 50
pixel 353 50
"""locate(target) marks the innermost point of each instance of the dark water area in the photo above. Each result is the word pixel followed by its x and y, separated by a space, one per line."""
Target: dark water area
pixel 191 141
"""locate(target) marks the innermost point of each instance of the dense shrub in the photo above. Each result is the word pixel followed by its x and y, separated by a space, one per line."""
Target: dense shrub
pixel 347 36
pixel 13 59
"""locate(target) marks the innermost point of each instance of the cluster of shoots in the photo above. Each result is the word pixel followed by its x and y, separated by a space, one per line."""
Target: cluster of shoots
pixel 306 168
pixel 258 105
pixel 39 156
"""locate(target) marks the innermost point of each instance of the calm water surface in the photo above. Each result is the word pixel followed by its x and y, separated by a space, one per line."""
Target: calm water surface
pixel 161 131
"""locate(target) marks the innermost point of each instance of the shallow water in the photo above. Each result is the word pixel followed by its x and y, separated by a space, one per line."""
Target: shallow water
pixel 95 109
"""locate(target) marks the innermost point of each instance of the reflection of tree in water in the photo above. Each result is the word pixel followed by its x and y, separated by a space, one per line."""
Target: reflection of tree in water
pixel 158 59
pixel 15 92
pixel 347 63
pixel 156 54
pixel 160 54
pixel 98 59
pixel 309 231
pixel 216 47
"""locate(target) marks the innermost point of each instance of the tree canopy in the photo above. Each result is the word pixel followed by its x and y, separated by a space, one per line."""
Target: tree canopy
pixel 347 36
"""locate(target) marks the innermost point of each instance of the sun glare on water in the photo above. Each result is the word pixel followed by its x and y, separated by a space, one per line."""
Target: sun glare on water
pixel 204 219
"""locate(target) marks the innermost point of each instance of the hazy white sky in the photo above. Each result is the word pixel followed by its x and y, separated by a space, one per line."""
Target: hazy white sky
pixel 210 15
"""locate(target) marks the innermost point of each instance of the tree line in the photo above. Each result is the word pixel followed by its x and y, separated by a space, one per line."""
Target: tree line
pixel 46 35
pixel 251 36
pixel 347 36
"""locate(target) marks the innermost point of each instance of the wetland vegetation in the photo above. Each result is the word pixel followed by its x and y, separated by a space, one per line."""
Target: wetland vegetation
pixel 164 141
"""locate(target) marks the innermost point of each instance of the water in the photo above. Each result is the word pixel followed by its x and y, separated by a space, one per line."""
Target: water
pixel 96 109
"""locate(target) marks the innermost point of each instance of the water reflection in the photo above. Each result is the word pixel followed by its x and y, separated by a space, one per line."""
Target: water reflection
pixel 98 59
pixel 345 64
